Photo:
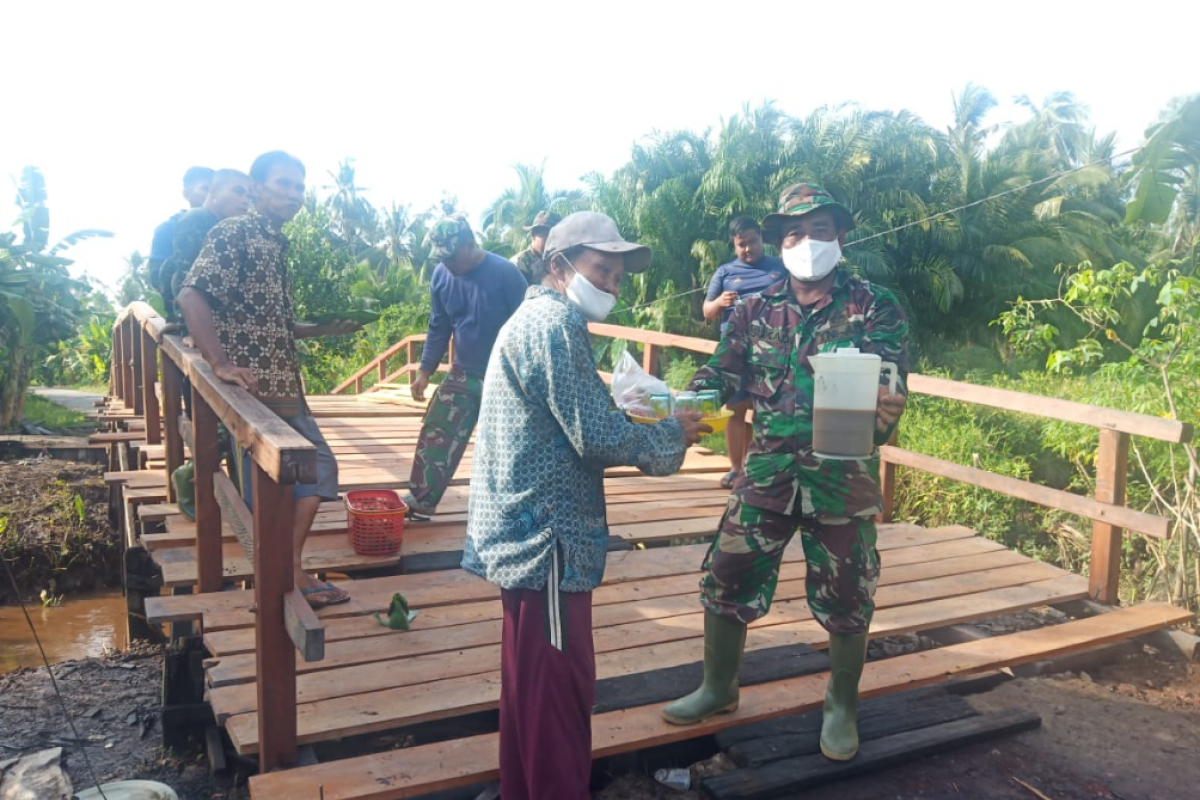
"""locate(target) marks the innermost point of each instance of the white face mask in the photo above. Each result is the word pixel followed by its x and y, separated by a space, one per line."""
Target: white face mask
pixel 812 260
pixel 592 302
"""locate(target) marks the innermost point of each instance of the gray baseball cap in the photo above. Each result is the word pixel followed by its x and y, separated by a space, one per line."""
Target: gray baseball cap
pixel 598 232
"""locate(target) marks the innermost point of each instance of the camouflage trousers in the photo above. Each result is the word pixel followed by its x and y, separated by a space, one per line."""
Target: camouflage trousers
pixel 447 427
pixel 842 570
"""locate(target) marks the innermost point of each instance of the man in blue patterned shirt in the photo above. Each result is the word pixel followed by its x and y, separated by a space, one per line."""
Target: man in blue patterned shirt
pixel 537 525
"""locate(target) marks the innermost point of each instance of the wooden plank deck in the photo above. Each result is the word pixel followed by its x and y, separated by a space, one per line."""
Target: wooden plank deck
pixel 375 679
pixel 447 668
pixel 414 771
pixel 374 450
pixel 647 618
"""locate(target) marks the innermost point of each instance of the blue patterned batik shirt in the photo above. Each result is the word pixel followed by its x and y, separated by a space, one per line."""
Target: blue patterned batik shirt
pixel 547 431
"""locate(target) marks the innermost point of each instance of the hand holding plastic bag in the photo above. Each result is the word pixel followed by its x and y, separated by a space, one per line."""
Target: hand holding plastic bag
pixel 632 387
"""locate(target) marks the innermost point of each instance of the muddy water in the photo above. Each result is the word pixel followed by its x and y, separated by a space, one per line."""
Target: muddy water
pixel 83 626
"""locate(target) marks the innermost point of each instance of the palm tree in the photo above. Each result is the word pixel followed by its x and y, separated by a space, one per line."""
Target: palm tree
pixel 504 220
pixel 1165 183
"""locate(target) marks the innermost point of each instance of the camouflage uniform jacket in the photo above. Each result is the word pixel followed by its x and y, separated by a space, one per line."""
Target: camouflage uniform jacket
pixel 525 261
pixel 770 338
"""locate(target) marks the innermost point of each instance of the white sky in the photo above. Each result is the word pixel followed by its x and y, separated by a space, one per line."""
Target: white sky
pixel 113 101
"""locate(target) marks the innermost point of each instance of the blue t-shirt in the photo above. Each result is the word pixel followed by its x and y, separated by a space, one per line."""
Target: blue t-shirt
pixel 745 279
pixel 473 307
pixel 161 246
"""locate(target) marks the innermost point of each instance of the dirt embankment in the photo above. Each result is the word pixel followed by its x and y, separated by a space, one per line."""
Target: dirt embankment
pixel 54 530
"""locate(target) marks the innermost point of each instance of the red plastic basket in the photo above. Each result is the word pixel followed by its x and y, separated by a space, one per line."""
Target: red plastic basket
pixel 376 518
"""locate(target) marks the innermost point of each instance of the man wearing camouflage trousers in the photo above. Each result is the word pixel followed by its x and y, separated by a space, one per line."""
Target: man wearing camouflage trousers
pixel 472 294
pixel 786 487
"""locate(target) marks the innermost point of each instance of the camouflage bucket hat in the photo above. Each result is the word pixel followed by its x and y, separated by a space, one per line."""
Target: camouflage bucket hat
pixel 800 199
pixel 446 235
pixel 544 220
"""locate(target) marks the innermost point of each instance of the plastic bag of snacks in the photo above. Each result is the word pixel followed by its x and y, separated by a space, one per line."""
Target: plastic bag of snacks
pixel 632 387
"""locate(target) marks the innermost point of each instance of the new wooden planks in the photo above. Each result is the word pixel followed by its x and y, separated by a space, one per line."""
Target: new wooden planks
pixel 226 610
pixel 671 564
pixel 658 575
pixel 391 708
pixel 411 772
pixel 468 649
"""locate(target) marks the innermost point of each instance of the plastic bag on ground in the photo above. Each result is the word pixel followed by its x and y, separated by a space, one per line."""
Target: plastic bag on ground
pixel 632 386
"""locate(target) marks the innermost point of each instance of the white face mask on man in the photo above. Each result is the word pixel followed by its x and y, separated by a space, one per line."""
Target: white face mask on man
pixel 594 303
pixel 812 259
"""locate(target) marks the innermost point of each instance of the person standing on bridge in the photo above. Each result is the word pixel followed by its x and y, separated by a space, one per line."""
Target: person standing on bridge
pixel 537 525
pixel 471 294
pixel 750 273
pixel 237 303
pixel 196 183
pixel 228 196
pixel 833 503
pixel 527 259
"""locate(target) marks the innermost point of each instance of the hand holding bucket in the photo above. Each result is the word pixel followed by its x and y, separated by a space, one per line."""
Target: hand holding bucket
pixel 845 401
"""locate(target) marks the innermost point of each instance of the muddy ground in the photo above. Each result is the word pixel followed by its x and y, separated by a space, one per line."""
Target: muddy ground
pixel 56 535
pixel 1127 731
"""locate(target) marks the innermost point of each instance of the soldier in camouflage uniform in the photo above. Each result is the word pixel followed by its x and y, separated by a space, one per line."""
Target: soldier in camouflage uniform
pixel 528 258
pixel 786 487
pixel 472 293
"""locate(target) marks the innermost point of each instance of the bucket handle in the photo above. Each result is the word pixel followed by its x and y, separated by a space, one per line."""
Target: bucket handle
pixel 893 373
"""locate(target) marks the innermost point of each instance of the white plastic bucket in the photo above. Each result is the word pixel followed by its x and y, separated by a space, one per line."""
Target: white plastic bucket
pixel 845 399
pixel 130 790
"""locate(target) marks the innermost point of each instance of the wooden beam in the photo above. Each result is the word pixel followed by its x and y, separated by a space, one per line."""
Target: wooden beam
pixel 234 511
pixel 285 455
pixel 117 367
pixel 207 459
pixel 273 582
pixel 1168 430
pixel 172 383
pixel 1139 521
pixel 135 337
pixel 150 397
pixel 306 631
pixel 706 346
pixel 405 344
pixel 1104 573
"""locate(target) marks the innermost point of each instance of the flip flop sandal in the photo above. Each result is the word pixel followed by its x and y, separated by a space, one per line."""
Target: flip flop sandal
pixel 313 595
pixel 730 479
pixel 341 594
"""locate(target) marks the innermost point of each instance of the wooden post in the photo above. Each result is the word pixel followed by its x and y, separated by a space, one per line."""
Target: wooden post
pixel 139 390
pixel 650 359
pixel 408 360
pixel 210 561
pixel 276 654
pixel 1104 575
pixel 150 397
pixel 116 380
pixel 172 383
pixel 382 374
pixel 887 487
pixel 127 397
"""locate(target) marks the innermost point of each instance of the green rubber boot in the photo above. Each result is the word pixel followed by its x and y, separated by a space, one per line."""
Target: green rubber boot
pixel 723 642
pixel 839 724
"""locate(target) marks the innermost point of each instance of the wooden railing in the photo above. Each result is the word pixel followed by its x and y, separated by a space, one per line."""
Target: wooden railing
pixel 280 457
pixel 378 366
pixel 1107 511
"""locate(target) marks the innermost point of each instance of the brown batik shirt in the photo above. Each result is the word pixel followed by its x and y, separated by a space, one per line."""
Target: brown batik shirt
pixel 242 268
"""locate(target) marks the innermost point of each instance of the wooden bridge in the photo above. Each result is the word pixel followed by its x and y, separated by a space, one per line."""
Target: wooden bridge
pixel 356 680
